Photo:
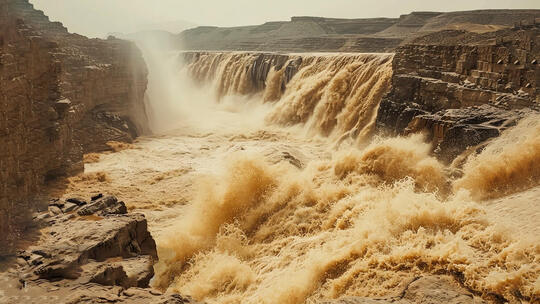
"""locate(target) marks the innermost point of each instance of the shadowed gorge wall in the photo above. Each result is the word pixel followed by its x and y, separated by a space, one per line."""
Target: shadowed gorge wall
pixel 62 95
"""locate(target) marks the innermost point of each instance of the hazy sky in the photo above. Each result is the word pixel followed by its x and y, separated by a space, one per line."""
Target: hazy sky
pixel 99 17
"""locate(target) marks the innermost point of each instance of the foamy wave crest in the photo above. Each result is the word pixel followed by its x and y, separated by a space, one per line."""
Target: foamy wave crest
pixel 509 164
pixel 360 224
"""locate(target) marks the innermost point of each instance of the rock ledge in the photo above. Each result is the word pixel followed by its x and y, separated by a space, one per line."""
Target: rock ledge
pixel 89 251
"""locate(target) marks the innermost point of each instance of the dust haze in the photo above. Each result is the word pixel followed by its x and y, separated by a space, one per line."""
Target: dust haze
pixel 97 18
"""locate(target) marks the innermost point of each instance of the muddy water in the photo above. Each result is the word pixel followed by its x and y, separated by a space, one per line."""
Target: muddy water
pixel 251 202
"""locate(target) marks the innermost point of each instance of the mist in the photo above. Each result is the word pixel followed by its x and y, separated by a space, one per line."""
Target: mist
pixel 175 101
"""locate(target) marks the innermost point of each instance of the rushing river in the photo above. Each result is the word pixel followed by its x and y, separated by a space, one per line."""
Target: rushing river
pixel 284 194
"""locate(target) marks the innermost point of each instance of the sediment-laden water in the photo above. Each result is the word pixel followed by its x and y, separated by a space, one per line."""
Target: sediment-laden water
pixel 252 200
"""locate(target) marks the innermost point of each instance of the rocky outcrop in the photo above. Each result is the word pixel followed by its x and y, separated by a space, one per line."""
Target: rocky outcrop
pixel 422 290
pixel 317 34
pixel 89 251
pixel 62 95
pixel 463 88
pixel 92 242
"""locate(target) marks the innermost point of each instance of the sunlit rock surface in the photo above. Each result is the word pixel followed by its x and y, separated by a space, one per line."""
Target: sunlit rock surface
pixel 88 251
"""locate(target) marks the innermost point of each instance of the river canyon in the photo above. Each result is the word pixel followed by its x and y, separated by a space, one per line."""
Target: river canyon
pixel 406 175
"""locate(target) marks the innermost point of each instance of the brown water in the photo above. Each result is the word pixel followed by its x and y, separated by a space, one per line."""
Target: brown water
pixel 252 201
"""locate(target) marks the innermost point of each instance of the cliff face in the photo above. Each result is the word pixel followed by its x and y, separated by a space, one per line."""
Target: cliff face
pixel 62 95
pixel 28 86
pixel 463 88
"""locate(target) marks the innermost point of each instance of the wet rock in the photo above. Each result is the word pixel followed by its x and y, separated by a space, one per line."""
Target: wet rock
pixel 43 216
pixel 70 207
pixel 139 271
pixel 57 203
pixel 104 206
pixel 97 196
pixel 131 272
pixel 112 275
pixel 455 130
pixel 89 293
pixel 438 289
pixel 424 290
pixel 292 160
pixel 54 210
pixel 77 201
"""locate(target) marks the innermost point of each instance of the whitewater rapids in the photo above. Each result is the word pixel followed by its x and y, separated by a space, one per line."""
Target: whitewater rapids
pixel 281 193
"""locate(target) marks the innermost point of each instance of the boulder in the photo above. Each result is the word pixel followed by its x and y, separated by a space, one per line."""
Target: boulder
pixel 77 201
pixel 103 206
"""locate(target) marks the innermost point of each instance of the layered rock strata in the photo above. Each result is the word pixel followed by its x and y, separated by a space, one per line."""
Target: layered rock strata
pixel 62 95
pixel 463 88
pixel 316 34
pixel 88 251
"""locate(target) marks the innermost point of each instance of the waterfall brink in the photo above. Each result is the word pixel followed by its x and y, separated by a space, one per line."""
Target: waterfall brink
pixel 334 96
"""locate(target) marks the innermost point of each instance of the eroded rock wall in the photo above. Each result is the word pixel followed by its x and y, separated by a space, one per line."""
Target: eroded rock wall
pixel 96 76
pixel 29 148
pixel 463 88
pixel 62 95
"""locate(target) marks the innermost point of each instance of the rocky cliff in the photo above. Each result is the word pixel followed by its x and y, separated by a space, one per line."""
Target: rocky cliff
pixel 62 95
pixel 463 88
